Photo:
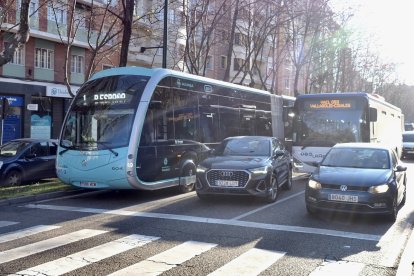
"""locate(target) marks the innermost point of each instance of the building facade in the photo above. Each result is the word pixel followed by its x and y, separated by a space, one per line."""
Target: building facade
pixel 34 81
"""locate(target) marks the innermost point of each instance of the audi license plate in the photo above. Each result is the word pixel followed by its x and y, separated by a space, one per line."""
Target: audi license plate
pixel 345 198
pixel 227 183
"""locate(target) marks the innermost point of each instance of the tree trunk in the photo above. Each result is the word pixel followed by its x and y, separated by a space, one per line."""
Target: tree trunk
pixel 20 38
pixel 127 31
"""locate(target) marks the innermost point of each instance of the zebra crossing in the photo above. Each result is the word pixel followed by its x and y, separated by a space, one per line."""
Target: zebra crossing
pixel 251 262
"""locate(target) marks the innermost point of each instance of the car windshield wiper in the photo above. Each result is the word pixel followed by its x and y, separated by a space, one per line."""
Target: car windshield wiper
pixel 107 147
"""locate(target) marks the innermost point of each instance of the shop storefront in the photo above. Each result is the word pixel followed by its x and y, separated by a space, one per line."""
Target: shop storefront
pixel 36 110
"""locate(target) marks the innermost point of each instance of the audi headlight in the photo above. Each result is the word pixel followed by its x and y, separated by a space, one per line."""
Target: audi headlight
pixel 1 164
pixel 380 189
pixel 314 184
pixel 201 169
pixel 259 171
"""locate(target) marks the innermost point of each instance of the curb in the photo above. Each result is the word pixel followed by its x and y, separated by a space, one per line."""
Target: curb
pixel 31 198
pixel 405 268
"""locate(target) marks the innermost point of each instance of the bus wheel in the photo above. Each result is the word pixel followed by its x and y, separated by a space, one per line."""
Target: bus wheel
pixel 189 169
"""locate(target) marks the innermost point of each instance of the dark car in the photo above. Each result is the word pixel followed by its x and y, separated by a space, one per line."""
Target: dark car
pixel 26 160
pixel 358 178
pixel 408 144
pixel 246 165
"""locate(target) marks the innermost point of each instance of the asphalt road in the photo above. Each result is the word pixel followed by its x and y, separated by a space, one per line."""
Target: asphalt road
pixel 164 232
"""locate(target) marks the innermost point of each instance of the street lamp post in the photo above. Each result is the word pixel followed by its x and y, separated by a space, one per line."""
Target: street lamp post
pixel 165 38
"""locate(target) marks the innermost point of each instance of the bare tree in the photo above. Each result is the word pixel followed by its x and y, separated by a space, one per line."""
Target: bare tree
pixel 22 35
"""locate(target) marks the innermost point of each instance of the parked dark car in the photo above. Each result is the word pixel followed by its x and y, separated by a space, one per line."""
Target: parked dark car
pixel 358 178
pixel 246 165
pixel 408 144
pixel 26 160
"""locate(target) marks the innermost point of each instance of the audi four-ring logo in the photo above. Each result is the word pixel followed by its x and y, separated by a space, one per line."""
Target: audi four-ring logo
pixel 227 174
pixel 344 188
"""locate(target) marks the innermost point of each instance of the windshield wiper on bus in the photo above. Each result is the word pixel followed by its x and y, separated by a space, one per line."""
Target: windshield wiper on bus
pixel 106 147
pixel 65 149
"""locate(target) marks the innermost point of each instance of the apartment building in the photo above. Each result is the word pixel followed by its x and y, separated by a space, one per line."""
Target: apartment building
pixel 33 81
pixel 199 38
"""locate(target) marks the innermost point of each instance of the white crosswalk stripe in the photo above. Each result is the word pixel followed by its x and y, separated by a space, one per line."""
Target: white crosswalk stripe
pixel 253 262
pixel 332 267
pixel 7 223
pixel 27 250
pixel 167 259
pixel 86 257
pixel 26 232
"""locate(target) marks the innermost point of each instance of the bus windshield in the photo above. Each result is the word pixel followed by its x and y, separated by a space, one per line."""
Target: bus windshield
pixel 102 113
pixel 325 128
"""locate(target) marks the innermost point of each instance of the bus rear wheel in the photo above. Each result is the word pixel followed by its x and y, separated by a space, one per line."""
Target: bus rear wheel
pixel 189 169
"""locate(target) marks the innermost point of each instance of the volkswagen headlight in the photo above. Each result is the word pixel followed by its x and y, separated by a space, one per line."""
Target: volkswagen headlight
pixel 380 189
pixel 259 171
pixel 314 184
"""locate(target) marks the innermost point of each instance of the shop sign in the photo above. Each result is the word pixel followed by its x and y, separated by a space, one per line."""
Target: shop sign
pixel 60 91
pixel 33 107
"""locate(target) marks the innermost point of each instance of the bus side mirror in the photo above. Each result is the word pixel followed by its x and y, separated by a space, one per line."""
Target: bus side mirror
pixel 373 114
pixel 287 113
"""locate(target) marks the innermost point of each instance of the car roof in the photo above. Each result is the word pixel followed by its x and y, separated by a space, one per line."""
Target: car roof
pixel 251 137
pixel 362 145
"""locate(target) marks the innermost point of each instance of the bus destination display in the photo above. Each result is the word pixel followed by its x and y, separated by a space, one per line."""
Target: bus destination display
pixel 330 104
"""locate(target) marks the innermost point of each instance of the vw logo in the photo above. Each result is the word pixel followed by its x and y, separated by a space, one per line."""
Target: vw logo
pixel 344 188
pixel 226 174
pixel 84 163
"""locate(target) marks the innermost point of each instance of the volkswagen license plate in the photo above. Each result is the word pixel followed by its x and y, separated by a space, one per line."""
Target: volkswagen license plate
pixel 227 183
pixel 345 198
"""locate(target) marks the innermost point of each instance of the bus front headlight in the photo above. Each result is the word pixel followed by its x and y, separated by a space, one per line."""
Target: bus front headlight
pixel 314 184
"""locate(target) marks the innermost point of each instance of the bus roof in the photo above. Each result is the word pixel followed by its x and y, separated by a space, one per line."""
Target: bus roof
pixel 150 72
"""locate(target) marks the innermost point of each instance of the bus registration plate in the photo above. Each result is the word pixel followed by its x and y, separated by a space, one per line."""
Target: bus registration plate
pixel 345 198
pixel 227 183
pixel 88 184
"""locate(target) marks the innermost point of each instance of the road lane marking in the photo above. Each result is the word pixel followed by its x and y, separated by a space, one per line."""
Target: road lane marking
pixel 27 250
pixel 252 262
pixel 267 206
pixel 333 267
pixel 7 223
pixel 229 222
pixel 26 232
pixel 166 260
pixel 87 257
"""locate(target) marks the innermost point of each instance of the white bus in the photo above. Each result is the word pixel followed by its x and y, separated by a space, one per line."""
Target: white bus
pixel 322 120
pixel 138 128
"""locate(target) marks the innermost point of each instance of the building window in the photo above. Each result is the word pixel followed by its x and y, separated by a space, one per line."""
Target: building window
pixel 238 63
pixel 287 84
pixel 77 64
pixel 18 55
pixel 44 58
pixel 209 63
pixel 33 7
pixel 223 62
pixel 56 14
pixel 240 39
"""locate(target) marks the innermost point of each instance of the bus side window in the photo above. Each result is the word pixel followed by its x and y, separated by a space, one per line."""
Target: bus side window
pixel 185 115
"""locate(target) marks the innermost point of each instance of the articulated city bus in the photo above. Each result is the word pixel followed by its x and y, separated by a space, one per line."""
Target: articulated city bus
pixel 138 128
pixel 322 120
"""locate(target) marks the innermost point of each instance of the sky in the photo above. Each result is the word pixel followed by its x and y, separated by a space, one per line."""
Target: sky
pixel 391 25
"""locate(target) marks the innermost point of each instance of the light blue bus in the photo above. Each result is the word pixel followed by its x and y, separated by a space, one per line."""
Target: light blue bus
pixel 139 128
